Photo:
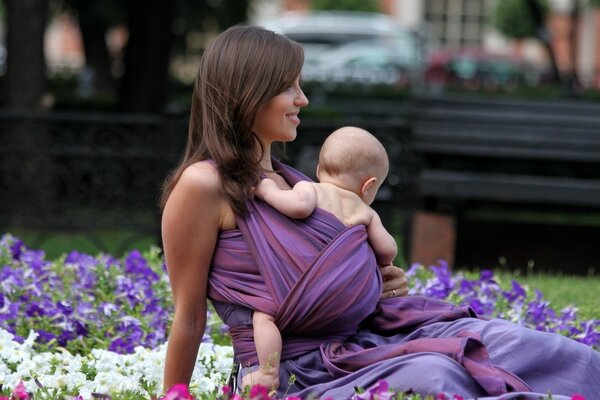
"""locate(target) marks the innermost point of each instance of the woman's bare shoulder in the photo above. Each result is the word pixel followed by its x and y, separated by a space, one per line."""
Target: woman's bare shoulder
pixel 201 178
pixel 200 184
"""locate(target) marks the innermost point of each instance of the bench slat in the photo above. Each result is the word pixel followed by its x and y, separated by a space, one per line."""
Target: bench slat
pixel 503 151
pixel 510 188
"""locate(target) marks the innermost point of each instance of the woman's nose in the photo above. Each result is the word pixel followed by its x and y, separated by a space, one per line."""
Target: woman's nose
pixel 301 100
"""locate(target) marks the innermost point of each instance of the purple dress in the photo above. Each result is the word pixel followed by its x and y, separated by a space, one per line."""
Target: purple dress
pixel 319 279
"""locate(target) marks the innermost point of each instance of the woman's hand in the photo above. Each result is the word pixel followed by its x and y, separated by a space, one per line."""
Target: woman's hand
pixel 395 283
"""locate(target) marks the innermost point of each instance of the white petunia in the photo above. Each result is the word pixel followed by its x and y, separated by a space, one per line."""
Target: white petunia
pixel 115 373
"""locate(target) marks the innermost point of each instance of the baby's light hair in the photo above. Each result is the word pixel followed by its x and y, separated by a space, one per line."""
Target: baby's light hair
pixel 355 152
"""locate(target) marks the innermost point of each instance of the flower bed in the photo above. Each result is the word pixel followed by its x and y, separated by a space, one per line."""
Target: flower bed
pixel 489 298
pixel 124 376
pixel 81 324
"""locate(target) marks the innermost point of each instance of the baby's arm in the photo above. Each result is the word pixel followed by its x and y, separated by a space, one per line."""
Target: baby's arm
pixel 299 202
pixel 267 340
pixel 383 244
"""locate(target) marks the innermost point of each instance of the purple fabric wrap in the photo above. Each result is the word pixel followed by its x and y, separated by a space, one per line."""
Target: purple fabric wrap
pixel 320 281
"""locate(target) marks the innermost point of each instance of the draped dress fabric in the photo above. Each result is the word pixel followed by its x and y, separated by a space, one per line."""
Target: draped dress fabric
pixel 319 280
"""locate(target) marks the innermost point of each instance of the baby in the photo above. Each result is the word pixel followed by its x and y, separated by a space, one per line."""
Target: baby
pixel 352 166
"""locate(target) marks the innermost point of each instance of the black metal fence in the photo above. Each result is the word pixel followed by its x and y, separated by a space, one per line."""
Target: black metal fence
pixel 85 172
pixel 81 172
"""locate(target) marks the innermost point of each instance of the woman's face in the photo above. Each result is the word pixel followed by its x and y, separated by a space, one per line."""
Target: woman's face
pixel 277 120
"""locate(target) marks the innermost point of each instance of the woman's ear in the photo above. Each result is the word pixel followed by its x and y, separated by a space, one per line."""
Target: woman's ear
pixel 368 184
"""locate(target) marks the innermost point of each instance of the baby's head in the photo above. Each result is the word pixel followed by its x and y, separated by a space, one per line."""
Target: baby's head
pixel 354 159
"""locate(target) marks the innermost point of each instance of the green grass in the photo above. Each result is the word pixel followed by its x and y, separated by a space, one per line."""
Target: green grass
pixel 564 290
pixel 113 242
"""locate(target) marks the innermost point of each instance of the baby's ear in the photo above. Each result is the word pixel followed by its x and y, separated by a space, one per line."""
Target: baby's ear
pixel 318 172
pixel 368 184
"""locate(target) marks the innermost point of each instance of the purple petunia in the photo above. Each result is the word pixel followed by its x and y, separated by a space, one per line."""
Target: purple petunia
pixel 83 302
pixel 485 296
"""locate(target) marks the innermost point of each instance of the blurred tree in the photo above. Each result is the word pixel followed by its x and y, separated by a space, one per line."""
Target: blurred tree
pixel 25 81
pixel 518 19
pixel 595 8
pixel 150 23
pixel 143 87
pixel 95 18
pixel 572 80
pixel 515 19
pixel 346 5
pixel 229 13
pixel 155 27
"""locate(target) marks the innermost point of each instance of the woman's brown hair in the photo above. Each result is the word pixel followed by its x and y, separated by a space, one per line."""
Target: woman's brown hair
pixel 240 71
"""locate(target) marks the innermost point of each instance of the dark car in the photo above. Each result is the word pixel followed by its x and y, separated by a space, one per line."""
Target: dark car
pixel 477 69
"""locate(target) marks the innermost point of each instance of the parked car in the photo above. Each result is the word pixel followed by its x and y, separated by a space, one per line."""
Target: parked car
pixel 381 61
pixel 477 69
pixel 343 47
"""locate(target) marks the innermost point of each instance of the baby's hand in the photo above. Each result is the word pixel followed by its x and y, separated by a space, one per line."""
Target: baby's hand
pixel 270 379
pixel 264 187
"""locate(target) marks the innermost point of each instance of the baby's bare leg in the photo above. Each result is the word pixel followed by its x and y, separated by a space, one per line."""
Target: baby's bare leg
pixel 267 340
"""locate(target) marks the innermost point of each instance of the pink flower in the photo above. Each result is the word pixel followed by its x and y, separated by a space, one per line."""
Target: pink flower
pixel 19 392
pixel 259 392
pixel 229 395
pixel 378 391
pixel 440 396
pixel 458 397
pixel 226 391
pixel 287 398
pixel 178 392
pixel 578 396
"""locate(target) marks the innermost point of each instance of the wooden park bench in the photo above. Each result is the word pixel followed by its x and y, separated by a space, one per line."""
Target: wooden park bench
pixel 509 155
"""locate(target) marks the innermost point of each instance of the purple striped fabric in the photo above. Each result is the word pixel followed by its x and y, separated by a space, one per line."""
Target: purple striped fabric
pixel 319 280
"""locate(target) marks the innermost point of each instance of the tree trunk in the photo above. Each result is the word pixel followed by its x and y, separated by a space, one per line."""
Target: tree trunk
pixel 26 66
pixel 573 83
pixel 93 33
pixel 25 87
pixel 596 12
pixel 144 84
pixel 230 13
pixel 544 36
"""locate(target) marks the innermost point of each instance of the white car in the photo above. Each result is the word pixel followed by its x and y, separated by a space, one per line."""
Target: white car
pixel 343 47
pixel 381 61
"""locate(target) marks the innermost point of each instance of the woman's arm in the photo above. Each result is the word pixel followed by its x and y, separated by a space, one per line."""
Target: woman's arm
pixel 190 225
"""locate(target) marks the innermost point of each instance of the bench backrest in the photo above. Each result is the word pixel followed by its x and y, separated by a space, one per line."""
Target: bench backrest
pixel 512 151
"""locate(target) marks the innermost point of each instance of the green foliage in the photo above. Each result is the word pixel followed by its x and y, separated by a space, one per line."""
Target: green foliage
pixel 514 19
pixel 346 5
pixel 594 3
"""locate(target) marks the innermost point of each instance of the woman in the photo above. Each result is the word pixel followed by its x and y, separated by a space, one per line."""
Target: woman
pixel 344 322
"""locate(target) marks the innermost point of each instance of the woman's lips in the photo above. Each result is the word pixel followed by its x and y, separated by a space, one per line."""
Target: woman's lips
pixel 293 117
